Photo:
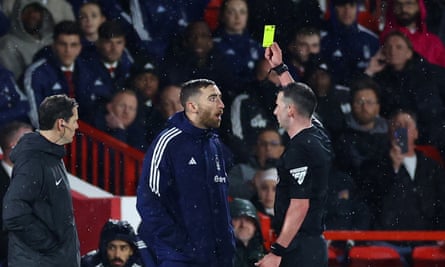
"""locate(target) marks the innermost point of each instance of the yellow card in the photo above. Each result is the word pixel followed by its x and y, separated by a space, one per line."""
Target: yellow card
pixel 269 33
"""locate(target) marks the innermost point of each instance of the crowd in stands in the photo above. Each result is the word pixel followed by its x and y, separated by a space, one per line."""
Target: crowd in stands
pixel 375 67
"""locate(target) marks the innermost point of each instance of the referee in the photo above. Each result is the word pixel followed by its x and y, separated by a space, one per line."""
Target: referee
pixel 303 172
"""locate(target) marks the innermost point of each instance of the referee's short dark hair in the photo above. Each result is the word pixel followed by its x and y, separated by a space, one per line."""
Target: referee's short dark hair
pixel 192 88
pixel 302 96
pixel 53 108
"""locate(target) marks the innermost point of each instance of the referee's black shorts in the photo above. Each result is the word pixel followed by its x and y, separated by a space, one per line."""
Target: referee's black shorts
pixel 309 251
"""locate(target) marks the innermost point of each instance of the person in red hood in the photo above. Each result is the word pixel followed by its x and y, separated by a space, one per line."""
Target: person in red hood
pixel 409 17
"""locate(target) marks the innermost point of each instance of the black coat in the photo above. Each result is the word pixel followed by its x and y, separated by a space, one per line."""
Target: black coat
pixel 38 211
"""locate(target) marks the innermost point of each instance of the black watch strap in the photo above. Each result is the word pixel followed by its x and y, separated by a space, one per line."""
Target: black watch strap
pixel 277 249
pixel 280 69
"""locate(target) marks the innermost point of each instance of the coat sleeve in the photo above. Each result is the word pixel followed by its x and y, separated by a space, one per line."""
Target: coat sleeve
pixel 18 216
pixel 156 206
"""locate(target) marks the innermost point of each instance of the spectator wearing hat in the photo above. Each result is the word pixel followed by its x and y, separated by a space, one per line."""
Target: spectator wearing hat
pixel 144 80
pixel 249 246
pixel 118 246
pixel 346 45
pixel 333 99
pixel 265 183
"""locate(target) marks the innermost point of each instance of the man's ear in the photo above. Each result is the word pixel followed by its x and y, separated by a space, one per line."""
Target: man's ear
pixel 192 106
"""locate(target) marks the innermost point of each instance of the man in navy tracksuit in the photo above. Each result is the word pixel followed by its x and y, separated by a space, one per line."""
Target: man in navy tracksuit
pixel 182 194
pixel 47 76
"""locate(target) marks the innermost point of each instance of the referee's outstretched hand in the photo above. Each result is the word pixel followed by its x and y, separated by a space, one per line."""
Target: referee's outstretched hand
pixel 270 260
pixel 274 55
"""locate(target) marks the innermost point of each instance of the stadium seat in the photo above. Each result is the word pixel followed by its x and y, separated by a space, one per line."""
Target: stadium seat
pixel 429 256
pixel 333 254
pixel 374 256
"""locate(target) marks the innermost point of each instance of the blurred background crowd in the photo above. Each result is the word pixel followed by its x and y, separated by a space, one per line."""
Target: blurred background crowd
pixel 376 66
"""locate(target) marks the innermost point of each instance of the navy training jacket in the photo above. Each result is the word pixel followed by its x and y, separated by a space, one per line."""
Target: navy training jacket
pixel 182 197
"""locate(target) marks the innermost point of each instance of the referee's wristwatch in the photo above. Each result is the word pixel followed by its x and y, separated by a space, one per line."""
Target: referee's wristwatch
pixel 277 249
pixel 280 69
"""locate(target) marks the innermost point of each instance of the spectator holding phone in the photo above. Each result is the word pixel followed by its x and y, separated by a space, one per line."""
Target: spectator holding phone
pixel 408 81
pixel 409 188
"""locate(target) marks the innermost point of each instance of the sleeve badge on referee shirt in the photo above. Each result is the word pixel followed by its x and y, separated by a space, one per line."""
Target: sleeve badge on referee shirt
pixel 299 174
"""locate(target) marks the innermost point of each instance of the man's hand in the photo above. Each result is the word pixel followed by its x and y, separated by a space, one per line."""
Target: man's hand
pixel 270 260
pixel 274 55
pixel 376 64
pixel 113 121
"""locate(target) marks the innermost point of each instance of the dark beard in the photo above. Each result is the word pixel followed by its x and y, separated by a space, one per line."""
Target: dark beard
pixel 406 21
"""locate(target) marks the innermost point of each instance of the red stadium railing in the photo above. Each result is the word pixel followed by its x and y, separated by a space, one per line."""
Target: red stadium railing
pixel 385 235
pixel 104 161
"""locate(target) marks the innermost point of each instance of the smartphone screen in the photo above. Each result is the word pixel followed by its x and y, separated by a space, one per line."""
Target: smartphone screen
pixel 401 137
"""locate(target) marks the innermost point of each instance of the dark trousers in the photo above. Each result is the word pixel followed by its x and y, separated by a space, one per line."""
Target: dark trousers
pixel 310 251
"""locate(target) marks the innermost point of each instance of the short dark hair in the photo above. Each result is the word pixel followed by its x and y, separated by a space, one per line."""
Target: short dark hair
pixel 192 88
pixel 67 27
pixel 401 35
pixel 8 131
pixel 53 108
pixel 363 83
pixel 302 96
pixel 111 29
pixel 399 111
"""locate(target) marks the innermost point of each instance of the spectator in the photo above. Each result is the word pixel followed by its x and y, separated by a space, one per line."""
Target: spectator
pixel 119 120
pixel 60 9
pixel 169 101
pixel 196 58
pixel 109 59
pixel 364 141
pixel 159 22
pixel 268 149
pixel 407 81
pixel 90 18
pixel 266 85
pixel 13 103
pixel 182 192
pixel 169 104
pixel 347 46
pixel 10 134
pixel 332 99
pixel 31 30
pixel 37 208
pixel 409 17
pixel 249 246
pixel 62 71
pixel 144 80
pixel 409 187
pixel 265 183
pixel 303 47
pixel 232 39
pixel 249 114
pixel 345 210
pixel 118 246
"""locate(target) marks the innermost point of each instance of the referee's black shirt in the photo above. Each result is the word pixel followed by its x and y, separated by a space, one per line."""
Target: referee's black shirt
pixel 303 172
